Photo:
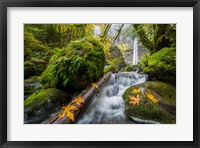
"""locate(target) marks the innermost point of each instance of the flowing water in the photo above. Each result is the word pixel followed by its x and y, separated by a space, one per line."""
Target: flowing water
pixel 135 51
pixel 108 106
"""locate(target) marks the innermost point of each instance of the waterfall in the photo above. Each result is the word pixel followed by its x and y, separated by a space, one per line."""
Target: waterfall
pixel 135 51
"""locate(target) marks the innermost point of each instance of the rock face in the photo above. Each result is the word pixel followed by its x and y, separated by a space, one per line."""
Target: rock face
pixel 162 65
pixel 116 60
pixel 75 67
pixel 157 102
pixel 41 104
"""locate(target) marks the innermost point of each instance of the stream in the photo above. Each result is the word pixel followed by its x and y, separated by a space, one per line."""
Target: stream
pixel 108 106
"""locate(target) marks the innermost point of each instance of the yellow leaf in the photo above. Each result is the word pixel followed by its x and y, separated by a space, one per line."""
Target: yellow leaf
pixel 95 85
pixel 136 90
pixel 67 112
pixel 134 100
pixel 70 115
pixel 78 100
pixel 152 97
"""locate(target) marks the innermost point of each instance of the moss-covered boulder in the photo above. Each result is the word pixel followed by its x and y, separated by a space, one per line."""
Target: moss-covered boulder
pixel 41 104
pixel 155 101
pixel 162 65
pixel 75 67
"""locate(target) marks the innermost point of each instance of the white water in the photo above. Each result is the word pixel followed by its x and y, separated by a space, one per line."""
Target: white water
pixel 135 51
pixel 111 110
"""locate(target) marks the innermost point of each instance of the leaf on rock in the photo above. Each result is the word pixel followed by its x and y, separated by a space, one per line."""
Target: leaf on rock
pixel 134 100
pixel 136 90
pixel 152 97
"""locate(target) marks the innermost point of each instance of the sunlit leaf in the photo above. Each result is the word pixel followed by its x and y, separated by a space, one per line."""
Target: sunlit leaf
pixel 152 97
pixel 78 100
pixel 136 90
pixel 95 85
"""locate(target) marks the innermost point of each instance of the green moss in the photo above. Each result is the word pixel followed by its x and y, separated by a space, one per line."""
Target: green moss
pixel 29 69
pixel 40 105
pixel 164 111
pixel 43 96
pixel 162 65
pixel 115 65
pixel 34 67
pixel 31 85
pixel 75 67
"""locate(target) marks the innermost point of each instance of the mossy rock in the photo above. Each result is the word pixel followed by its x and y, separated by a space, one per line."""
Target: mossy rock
pixel 157 102
pixel 130 68
pixel 31 85
pixel 75 67
pixel 41 104
pixel 116 65
pixel 162 65
pixel 34 67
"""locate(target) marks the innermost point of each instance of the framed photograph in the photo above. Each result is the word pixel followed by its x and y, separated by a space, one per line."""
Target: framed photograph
pixel 105 73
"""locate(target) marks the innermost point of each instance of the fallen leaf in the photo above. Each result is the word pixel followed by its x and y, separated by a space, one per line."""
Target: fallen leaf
pixel 95 85
pixel 78 100
pixel 67 112
pixel 136 90
pixel 134 100
pixel 152 97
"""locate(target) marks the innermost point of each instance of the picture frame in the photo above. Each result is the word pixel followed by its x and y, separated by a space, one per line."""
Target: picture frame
pixel 100 3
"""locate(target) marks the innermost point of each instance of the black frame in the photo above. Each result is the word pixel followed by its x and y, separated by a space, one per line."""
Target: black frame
pixel 99 3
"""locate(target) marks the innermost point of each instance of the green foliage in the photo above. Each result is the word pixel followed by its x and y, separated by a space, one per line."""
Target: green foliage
pixel 75 67
pixel 164 111
pixel 115 65
pixel 156 36
pixel 162 65
pixel 144 60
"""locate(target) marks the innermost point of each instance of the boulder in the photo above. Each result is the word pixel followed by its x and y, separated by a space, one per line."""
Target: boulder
pixel 157 102
pixel 40 105
pixel 75 67
pixel 162 65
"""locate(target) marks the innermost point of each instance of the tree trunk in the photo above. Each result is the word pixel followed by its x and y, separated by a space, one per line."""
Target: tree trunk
pixel 87 96
pixel 120 29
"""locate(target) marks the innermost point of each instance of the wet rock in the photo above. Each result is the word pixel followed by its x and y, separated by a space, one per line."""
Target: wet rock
pixel 113 91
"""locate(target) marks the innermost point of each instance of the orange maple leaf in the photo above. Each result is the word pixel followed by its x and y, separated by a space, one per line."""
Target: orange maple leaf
pixel 134 100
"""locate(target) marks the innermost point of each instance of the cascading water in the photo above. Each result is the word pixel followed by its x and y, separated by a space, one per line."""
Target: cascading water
pixel 135 51
pixel 108 106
